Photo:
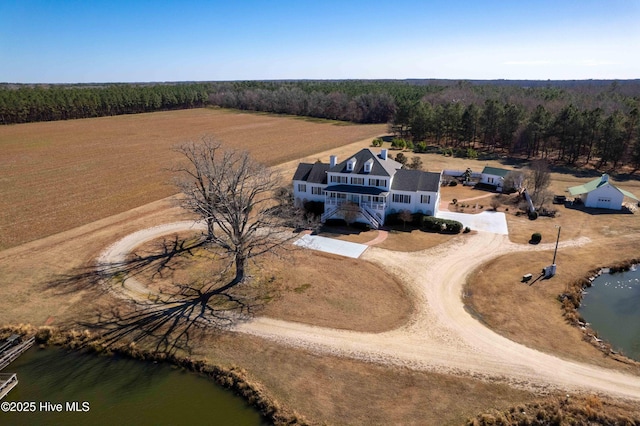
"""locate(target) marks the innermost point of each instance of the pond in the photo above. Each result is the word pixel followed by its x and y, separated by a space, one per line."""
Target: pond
pixel 112 390
pixel 612 307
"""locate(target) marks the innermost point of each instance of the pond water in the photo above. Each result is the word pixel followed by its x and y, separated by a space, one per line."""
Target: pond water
pixel 612 307
pixel 118 391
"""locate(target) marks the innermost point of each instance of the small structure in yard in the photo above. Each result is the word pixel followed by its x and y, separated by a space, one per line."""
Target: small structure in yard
pixel 601 194
pixel 494 176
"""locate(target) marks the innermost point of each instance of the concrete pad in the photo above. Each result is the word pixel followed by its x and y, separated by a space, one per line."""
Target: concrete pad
pixel 494 222
pixel 331 245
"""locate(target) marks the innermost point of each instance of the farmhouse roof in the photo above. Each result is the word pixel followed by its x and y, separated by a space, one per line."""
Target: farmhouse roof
pixel 312 173
pixel 380 167
pixel 416 180
pixel 495 171
pixel 595 184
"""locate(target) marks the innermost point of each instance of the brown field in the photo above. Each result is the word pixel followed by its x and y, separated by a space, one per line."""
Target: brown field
pixel 46 164
pixel 58 175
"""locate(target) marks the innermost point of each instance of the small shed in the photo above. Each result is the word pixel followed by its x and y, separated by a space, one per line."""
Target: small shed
pixel 600 193
pixel 494 176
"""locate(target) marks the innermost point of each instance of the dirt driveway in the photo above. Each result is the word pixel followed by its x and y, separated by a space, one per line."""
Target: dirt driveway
pixel 441 336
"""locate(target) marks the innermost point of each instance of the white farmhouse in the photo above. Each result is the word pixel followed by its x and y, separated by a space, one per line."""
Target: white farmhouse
pixel 600 193
pixel 373 184
pixel 494 176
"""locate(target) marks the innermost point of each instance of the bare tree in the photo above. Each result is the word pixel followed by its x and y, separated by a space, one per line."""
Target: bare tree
pixel 350 211
pixel 238 199
pixel 513 181
pixel 415 164
pixel 401 158
pixel 538 178
pixel 405 216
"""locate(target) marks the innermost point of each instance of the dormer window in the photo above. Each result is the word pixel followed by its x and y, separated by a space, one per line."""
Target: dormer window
pixel 351 164
pixel 368 165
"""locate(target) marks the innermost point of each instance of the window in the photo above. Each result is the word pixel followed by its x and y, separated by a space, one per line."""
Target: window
pixel 351 164
pixel 338 179
pixel 425 199
pixel 316 190
pixel 302 187
pixel 401 198
pixel 368 165
pixel 357 181
pixel 490 180
pixel 377 182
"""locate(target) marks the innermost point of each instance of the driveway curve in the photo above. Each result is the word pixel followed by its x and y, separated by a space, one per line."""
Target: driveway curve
pixel 440 337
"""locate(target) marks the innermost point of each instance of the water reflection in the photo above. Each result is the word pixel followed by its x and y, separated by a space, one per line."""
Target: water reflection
pixel 120 391
pixel 611 307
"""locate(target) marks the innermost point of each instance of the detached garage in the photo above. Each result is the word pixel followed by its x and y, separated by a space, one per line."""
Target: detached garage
pixel 601 194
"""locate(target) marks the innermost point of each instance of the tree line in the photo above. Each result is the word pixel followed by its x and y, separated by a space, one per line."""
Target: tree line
pixel 26 104
pixel 566 134
pixel 567 121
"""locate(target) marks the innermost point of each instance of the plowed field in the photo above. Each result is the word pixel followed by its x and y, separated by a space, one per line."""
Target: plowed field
pixel 55 176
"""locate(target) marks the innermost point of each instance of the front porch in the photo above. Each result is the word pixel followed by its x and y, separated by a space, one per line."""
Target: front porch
pixel 364 203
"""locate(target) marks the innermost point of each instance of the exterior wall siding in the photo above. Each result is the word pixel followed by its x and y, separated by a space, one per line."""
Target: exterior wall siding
pixel 604 192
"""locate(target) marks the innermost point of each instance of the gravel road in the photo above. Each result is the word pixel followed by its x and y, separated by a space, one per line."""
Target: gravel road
pixel 440 337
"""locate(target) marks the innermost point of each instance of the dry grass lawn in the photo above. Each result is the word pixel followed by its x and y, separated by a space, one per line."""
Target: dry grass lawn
pixel 297 285
pixel 399 238
pixel 58 175
pixel 330 390
pixel 532 314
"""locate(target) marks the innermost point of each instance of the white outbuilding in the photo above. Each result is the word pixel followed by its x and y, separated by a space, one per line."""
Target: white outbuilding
pixel 601 194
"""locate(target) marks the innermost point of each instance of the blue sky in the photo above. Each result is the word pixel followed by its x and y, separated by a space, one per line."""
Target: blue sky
pixel 128 41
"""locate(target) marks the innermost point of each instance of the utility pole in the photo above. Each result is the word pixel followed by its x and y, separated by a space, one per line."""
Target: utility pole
pixel 550 270
pixel 556 250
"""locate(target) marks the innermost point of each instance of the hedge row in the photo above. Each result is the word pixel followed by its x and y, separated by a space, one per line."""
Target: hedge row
pixel 431 223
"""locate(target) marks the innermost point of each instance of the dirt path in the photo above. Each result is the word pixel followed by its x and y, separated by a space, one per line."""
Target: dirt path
pixel 441 336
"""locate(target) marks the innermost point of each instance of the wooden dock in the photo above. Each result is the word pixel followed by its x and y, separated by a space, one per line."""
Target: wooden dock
pixel 8 381
pixel 12 352
pixel 11 349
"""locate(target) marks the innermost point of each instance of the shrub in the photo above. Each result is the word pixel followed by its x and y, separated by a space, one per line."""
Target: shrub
pixel 466 230
pixel 315 208
pixel 430 223
pixel 377 142
pixel 401 158
pixel 536 238
pixel 453 183
pixel 409 145
pixel 421 147
pixel 361 226
pixel 455 201
pixel 398 143
pixel 392 219
pixel 336 222
pixel 533 215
